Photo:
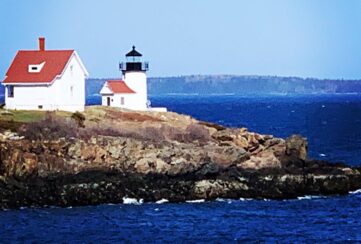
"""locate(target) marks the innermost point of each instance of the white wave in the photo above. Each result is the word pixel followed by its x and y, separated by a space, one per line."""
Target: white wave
pixel 245 199
pixel 309 197
pixel 224 200
pixel 128 200
pixel 322 155
pixel 161 201
pixel 182 94
pixel 355 192
pixel 196 201
pixel 221 94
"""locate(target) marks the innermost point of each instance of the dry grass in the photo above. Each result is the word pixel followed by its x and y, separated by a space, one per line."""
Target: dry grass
pixel 52 127
pixel 13 119
pixel 131 116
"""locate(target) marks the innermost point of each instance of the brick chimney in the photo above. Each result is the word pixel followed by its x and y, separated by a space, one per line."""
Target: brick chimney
pixel 41 44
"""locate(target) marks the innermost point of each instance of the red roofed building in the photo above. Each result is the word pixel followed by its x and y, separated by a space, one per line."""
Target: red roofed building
pixel 45 80
pixel 116 92
pixel 119 86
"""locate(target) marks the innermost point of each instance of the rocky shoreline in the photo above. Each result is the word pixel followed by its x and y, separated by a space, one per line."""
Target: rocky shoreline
pixel 165 156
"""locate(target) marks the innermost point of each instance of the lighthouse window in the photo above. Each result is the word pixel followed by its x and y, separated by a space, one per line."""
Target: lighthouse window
pixel 122 101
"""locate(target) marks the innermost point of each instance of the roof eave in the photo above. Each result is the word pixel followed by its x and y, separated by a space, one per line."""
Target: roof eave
pixel 86 73
pixel 27 83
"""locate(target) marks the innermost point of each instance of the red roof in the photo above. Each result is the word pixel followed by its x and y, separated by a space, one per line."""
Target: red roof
pixel 55 62
pixel 119 86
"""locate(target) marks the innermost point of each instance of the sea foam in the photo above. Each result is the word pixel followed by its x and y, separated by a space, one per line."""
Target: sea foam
pixel 161 201
pixel 310 197
pixel 355 192
pixel 196 201
pixel 128 200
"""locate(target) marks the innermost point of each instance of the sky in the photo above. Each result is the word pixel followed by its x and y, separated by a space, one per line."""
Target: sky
pixel 304 38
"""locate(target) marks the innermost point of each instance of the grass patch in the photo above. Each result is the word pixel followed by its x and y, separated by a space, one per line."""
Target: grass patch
pixel 25 116
pixel 13 119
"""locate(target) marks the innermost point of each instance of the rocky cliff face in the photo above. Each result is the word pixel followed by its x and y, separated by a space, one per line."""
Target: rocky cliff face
pixel 178 159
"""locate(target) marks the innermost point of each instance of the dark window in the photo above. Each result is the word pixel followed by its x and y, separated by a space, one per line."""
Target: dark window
pixel 10 91
pixel 108 101
pixel 40 106
pixel 34 68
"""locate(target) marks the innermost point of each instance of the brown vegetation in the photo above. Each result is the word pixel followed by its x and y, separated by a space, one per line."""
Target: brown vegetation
pixel 131 116
pixel 50 128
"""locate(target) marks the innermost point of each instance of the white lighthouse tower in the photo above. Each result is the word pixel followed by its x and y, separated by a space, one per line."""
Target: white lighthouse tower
pixel 130 92
pixel 134 75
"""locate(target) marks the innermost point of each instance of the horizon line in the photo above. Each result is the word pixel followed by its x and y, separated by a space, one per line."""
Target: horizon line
pixel 237 75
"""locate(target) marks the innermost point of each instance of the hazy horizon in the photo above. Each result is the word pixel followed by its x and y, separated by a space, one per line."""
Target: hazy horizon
pixel 307 39
pixel 235 75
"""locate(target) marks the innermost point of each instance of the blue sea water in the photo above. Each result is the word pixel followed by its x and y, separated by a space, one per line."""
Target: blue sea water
pixel 332 124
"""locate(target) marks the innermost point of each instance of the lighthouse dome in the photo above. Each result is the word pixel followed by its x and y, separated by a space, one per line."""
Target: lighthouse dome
pixel 133 53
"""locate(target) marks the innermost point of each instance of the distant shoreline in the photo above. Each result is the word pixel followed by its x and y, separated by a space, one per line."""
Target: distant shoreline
pixel 225 85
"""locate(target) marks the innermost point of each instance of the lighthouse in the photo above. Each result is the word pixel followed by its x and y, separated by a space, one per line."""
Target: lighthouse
pixel 134 74
pixel 129 92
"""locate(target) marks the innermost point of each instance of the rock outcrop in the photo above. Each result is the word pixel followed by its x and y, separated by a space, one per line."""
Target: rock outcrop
pixel 178 159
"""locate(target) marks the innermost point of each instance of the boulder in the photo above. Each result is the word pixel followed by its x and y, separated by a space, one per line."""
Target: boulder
pixel 223 135
pixel 30 163
pixel 241 141
pixel 296 146
pixel 263 160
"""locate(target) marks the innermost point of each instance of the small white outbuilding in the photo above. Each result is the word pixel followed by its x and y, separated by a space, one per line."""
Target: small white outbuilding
pixel 45 80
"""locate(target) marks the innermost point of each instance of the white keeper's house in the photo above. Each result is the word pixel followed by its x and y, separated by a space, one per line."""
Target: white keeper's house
pixel 45 80
pixel 130 92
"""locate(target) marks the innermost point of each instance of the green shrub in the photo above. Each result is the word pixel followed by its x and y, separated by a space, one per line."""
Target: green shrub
pixel 79 118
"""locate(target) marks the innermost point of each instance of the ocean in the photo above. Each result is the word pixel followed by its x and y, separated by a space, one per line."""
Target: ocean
pixel 332 124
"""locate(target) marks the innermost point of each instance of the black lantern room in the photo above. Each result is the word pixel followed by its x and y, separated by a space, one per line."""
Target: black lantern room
pixel 133 62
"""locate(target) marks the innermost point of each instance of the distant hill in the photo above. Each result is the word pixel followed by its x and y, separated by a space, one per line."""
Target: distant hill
pixel 231 84
pixel 239 85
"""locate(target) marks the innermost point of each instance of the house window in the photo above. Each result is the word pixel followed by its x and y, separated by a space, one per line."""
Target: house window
pixel 40 106
pixel 10 91
pixel 35 68
pixel 122 101
pixel 71 91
